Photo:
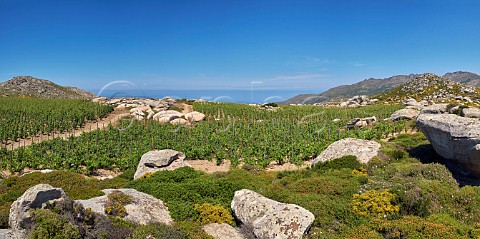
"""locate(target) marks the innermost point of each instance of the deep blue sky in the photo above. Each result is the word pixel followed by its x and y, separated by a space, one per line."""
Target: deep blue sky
pixel 310 45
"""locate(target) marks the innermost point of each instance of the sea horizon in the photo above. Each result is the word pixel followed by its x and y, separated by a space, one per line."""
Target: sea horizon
pixel 243 96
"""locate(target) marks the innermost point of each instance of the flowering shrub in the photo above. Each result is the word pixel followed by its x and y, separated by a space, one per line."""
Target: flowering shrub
pixel 373 203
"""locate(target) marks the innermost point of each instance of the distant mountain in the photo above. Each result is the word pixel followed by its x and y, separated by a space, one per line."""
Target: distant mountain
pixel 431 87
pixel 28 86
pixel 463 77
pixel 366 87
pixel 374 86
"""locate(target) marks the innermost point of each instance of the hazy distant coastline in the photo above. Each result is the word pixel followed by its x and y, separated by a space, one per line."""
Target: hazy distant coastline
pixel 235 96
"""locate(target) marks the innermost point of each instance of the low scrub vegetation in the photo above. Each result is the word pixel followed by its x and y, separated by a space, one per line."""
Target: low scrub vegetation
pixel 393 196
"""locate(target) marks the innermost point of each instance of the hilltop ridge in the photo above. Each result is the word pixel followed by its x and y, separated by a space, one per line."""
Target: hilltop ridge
pixel 431 87
pixel 28 86
pixel 374 86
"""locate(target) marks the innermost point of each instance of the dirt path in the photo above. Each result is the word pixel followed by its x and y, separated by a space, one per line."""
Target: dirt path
pixel 89 126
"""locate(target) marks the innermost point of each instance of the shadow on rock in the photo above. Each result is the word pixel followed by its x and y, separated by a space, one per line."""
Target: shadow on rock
pixel 426 154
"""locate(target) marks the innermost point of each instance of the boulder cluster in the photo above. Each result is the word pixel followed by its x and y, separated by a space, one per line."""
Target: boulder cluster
pixel 361 122
pixel 161 110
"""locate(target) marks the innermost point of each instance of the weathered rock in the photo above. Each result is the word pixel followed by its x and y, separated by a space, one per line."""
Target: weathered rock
pixel 34 197
pixel 410 102
pixel 402 114
pixel 141 108
pixel 194 116
pixel 471 113
pixel 172 114
pixel 268 218
pixel 157 160
pixel 11 234
pixel 435 109
pixel 453 137
pixel 163 120
pixel 223 231
pixel 364 150
pixel 186 108
pixel 360 124
pixel 352 122
pixel 179 121
pixel 370 120
pixel 144 208
pixel 99 100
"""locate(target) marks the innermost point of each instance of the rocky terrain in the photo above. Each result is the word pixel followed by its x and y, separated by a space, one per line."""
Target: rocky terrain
pixel 166 110
pixel 430 87
pixel 463 77
pixel 27 86
pixel 374 86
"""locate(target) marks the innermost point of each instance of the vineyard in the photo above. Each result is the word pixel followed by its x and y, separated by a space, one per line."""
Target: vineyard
pixel 231 131
pixel 24 117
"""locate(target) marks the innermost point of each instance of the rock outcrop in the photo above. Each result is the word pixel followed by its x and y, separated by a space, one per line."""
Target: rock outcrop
pixel 364 150
pixel 158 160
pixel 361 122
pixel 160 110
pixel 19 218
pixel 194 116
pixel 34 87
pixel 471 113
pixel 143 209
pixel 435 109
pixel 404 114
pixel 268 218
pixel 223 231
pixel 453 137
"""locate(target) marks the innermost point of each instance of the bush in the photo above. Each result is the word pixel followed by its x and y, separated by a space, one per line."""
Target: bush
pixel 50 225
pixel 348 161
pixel 416 227
pixel 213 214
pixel 115 204
pixel 374 204
pixel 181 189
pixel 158 231
pixel 90 224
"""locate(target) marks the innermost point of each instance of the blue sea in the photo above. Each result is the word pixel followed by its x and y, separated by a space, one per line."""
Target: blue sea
pixel 234 96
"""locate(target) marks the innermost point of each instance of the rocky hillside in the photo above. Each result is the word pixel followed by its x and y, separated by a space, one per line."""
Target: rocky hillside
pixel 366 87
pixel 374 86
pixel 28 86
pixel 463 77
pixel 431 87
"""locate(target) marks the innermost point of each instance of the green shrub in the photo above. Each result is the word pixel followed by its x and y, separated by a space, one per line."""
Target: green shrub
pixel 75 186
pixel 49 225
pixel 214 214
pixel 374 204
pixel 181 189
pixel 158 230
pixel 348 161
pixel 416 227
pixel 115 204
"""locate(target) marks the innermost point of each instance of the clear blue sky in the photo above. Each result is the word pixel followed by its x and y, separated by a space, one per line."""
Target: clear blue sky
pixel 296 44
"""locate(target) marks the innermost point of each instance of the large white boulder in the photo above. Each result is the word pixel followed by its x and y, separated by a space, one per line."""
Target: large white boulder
pixel 158 160
pixel 33 198
pixel 270 219
pixel 143 209
pixel 364 150
pixel 453 137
